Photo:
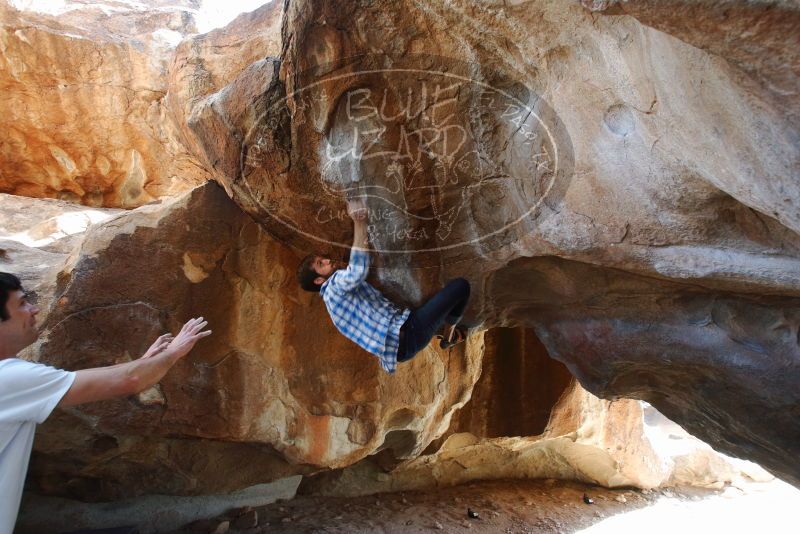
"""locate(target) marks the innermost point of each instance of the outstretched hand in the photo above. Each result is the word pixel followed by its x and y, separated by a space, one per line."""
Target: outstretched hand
pixel 102 383
pixel 190 334
pixel 158 346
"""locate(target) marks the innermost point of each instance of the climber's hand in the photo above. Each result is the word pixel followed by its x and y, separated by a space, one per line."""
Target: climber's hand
pixel 357 209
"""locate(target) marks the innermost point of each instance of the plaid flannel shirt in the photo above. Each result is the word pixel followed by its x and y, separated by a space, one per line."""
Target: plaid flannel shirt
pixel 361 313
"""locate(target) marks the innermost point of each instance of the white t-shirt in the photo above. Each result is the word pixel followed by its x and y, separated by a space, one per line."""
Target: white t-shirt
pixel 28 393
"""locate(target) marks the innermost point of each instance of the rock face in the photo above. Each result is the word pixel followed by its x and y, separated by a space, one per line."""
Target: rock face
pixel 753 36
pixel 711 349
pixel 276 391
pixel 631 197
pixel 608 443
pixel 82 106
pixel 621 184
pixel 203 64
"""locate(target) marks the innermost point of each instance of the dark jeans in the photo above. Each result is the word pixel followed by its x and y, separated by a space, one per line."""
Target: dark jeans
pixel 424 322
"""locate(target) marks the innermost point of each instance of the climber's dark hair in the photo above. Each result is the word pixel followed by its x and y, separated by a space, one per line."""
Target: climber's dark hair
pixel 306 274
pixel 8 283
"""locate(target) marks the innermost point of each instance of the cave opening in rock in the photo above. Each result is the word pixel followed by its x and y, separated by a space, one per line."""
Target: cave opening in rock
pixel 400 442
pixel 519 386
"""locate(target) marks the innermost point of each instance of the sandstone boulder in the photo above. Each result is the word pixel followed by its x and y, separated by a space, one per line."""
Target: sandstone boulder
pixel 205 63
pixel 82 105
pixel 622 183
pixel 608 443
pixel 638 208
pixel 274 392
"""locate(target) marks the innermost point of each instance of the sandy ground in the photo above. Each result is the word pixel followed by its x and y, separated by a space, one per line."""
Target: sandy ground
pixel 519 506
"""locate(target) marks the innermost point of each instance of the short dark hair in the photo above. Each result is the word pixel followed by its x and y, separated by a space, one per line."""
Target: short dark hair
pixel 306 273
pixel 8 283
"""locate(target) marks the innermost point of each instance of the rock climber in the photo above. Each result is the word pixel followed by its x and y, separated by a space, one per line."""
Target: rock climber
pixel 363 315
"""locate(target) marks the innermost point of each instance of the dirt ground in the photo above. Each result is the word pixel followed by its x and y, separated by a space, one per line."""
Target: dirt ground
pixel 505 506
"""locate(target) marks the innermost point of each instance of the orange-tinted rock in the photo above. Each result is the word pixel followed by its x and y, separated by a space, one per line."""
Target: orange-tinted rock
pixel 82 108
pixel 275 391
pixel 609 443
pixel 664 250
pixel 663 265
pixel 203 64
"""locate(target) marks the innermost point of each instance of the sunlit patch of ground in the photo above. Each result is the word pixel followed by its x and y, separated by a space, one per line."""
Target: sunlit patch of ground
pixel 767 507
pixel 520 506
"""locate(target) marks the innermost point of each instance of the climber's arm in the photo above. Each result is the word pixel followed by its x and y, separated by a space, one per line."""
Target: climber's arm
pixel 358 266
pixel 357 210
